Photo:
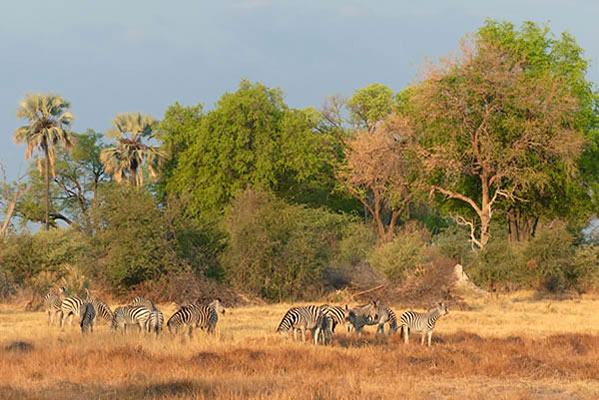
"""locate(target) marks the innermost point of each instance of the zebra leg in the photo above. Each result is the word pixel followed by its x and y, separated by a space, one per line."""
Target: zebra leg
pixel 381 329
pixel 430 334
pixel 422 337
pixel 404 329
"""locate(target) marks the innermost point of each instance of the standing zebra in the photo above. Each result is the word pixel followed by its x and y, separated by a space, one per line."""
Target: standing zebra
pixel 195 315
pixel 155 322
pixel 88 315
pixel 360 316
pixel 424 323
pixel 52 302
pixel 130 315
pixel 101 308
pixel 386 315
pixel 140 301
pixel 338 315
pixel 207 316
pixel 306 318
pixel 70 307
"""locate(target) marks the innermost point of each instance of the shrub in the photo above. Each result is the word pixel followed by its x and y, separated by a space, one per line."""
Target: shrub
pixel 355 244
pixel 277 250
pixel 404 256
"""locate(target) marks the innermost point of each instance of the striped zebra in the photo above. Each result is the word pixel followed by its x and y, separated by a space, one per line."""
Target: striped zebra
pixel 360 316
pixel 102 309
pixel 155 322
pixel 195 315
pixel 52 303
pixel 207 316
pixel 140 301
pixel 88 315
pixel 70 307
pixel 386 316
pixel 422 322
pixel 130 315
pixel 338 315
pixel 306 318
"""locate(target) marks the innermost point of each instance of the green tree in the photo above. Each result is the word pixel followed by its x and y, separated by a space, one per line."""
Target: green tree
pixel 48 122
pixel 486 131
pixel 563 194
pixel 251 138
pixel 125 161
pixel 370 105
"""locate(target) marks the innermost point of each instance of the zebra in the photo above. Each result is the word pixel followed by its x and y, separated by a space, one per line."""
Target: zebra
pixel 338 315
pixel 140 301
pixel 195 315
pixel 101 308
pixel 386 315
pixel 422 322
pixel 155 322
pixel 130 315
pixel 207 316
pixel 306 318
pixel 88 315
pixel 52 302
pixel 70 307
pixel 360 316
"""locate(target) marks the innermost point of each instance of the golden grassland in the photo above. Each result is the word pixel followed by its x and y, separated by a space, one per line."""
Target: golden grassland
pixel 512 347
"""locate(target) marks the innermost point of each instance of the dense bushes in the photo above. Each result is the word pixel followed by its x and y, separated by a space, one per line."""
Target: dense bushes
pixel 553 260
pixel 276 250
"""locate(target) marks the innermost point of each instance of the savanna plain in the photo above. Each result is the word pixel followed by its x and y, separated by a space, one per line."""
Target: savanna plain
pixel 510 347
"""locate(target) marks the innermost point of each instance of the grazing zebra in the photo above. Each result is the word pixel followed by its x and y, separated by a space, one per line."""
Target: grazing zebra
pixel 88 315
pixel 130 315
pixel 155 322
pixel 140 301
pixel 195 315
pixel 338 315
pixel 102 309
pixel 360 316
pixel 52 302
pixel 70 307
pixel 422 322
pixel 306 318
pixel 386 315
pixel 207 316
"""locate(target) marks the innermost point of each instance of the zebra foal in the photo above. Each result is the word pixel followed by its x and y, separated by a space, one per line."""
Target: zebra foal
pixel 422 322
pixel 52 303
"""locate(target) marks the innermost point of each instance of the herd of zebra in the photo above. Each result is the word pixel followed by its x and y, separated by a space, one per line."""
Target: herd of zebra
pixel 141 312
pixel 320 320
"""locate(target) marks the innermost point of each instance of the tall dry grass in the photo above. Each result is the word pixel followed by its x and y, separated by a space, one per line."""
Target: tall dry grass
pixel 512 347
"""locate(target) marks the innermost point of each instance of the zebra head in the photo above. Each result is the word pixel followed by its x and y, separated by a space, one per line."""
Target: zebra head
pixel 217 306
pixel 440 308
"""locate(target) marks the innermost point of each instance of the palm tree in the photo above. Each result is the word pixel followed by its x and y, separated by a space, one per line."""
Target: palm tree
pixel 124 161
pixel 48 126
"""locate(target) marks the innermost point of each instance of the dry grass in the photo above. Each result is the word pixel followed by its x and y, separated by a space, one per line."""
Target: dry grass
pixel 512 347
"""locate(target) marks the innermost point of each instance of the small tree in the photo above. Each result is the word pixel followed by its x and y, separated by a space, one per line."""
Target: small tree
pixel 377 173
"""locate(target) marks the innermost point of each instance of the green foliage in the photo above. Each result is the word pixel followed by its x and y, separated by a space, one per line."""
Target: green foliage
pixel 403 257
pixel 53 252
pixel 251 138
pixel 552 260
pixel 357 240
pixel 138 243
pixel 276 250
pixel 370 105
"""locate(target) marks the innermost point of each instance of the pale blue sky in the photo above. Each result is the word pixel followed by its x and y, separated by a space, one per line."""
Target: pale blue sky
pixel 108 57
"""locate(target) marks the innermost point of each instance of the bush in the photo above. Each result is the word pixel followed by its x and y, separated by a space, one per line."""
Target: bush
pixel 499 263
pixel 356 243
pixel 405 256
pixel 139 244
pixel 276 250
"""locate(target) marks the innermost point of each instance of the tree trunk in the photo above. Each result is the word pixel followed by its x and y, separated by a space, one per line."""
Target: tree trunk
pixel 47 192
pixel 521 227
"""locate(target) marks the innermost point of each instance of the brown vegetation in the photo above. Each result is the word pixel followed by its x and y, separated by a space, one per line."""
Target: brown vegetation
pixel 507 348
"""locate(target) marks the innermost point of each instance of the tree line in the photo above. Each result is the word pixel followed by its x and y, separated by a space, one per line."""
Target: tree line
pixel 492 147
